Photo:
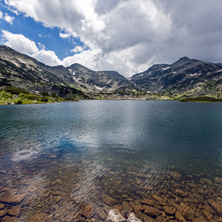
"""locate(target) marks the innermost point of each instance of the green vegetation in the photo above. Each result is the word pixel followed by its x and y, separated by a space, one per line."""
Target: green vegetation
pixel 201 99
pixel 15 90
pixel 14 95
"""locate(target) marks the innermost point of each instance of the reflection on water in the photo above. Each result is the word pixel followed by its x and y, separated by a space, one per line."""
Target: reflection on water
pixel 77 161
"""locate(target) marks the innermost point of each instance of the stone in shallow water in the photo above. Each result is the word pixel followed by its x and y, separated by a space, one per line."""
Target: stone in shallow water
pixel 169 210
pixel 88 211
pixel 151 211
pixel 39 217
pixel 186 211
pixel 179 217
pixel 58 181
pixel 175 175
pixel 3 171
pixel 3 213
pixel 108 200
pixel 148 202
pixel 15 211
pixel 133 218
pixel 115 216
pixel 217 206
pixel 2 206
pixel 9 219
pixel 10 196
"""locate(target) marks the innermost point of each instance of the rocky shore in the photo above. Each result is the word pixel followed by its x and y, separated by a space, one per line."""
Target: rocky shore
pixel 68 193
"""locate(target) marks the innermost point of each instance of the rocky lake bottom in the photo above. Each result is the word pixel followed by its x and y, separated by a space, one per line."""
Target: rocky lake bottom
pixel 85 191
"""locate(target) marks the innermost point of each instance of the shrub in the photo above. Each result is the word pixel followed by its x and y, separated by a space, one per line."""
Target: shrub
pixel 44 99
pixel 15 90
pixel 19 102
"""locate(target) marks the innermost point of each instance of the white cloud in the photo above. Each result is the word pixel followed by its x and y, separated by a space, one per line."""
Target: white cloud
pixel 64 35
pixel 127 35
pixel 19 42
pixel 1 15
pixel 9 19
pixel 24 45
pixel 47 57
pixel 78 49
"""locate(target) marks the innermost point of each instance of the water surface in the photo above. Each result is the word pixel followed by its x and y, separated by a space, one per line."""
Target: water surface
pixel 75 161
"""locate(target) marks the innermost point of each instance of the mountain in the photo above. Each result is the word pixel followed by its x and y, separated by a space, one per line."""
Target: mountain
pixel 183 79
pixel 17 69
pixel 189 76
pixel 97 81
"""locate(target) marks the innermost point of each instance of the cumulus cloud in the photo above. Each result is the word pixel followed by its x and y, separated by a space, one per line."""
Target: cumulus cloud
pixel 1 14
pixel 129 36
pixel 24 45
pixel 64 35
pixel 9 19
pixel 19 42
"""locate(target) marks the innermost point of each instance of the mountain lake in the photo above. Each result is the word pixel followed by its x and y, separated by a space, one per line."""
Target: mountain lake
pixel 76 161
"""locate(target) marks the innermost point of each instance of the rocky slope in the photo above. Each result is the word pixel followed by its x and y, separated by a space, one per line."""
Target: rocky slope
pixel 20 70
pixel 186 76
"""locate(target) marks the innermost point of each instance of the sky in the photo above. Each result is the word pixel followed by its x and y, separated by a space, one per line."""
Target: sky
pixel 127 36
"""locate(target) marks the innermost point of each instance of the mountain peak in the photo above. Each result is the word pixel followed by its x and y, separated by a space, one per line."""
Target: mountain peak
pixel 185 58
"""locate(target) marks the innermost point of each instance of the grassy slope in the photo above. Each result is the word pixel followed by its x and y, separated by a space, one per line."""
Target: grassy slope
pixel 13 95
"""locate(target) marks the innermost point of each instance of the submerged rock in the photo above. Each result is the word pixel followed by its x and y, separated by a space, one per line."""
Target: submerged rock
pixel 15 211
pixel 88 211
pixel 217 206
pixel 108 200
pixel 9 219
pixel 9 196
pixel 115 216
pixel 151 211
pixel 133 218
pixel 170 210
pixel 3 212
pixel 2 206
pixel 39 217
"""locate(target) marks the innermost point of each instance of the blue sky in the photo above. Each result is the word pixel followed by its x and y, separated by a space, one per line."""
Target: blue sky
pixel 127 36
pixel 36 31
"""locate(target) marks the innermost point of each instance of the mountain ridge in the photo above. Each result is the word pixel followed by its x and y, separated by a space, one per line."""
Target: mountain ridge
pixel 185 77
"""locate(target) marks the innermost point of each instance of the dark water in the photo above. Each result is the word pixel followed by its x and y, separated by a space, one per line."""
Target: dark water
pixel 75 161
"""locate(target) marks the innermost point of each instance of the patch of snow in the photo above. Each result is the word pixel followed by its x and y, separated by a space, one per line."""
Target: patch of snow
pixel 99 88
pixel 109 81
pixel 174 72
pixel 219 70
pixel 195 74
pixel 141 74
pixel 165 68
pixel 20 60
pixel 15 63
